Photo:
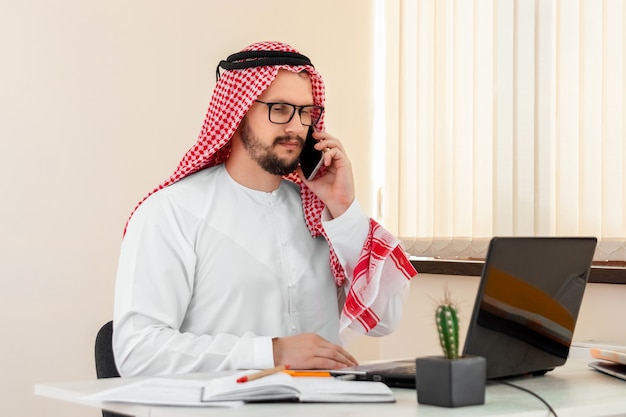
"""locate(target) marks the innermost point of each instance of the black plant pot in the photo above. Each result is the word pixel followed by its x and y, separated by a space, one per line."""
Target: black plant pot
pixel 451 382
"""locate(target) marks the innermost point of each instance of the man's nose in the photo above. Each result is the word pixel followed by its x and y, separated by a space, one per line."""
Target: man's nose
pixel 295 124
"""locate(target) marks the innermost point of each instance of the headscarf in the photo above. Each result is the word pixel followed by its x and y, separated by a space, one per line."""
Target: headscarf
pixel 246 75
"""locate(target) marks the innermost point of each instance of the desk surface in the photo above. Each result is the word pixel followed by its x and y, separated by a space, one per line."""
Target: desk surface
pixel 572 390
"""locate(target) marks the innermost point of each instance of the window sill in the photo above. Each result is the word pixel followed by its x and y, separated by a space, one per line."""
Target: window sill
pixel 601 272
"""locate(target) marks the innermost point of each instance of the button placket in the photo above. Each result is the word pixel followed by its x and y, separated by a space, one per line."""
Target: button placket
pixel 286 260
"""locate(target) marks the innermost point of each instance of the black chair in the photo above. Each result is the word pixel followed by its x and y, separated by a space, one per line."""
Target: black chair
pixel 105 361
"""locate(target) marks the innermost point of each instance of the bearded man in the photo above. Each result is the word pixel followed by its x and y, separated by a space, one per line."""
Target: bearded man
pixel 238 261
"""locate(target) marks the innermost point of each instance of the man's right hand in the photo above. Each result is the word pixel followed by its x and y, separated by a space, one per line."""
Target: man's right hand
pixel 310 351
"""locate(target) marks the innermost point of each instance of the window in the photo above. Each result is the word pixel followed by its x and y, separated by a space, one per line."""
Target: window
pixel 501 118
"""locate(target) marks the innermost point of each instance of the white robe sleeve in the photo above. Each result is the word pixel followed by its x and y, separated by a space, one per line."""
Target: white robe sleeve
pixel 347 234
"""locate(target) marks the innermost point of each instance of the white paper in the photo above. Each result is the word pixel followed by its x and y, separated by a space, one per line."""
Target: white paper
pixel 161 391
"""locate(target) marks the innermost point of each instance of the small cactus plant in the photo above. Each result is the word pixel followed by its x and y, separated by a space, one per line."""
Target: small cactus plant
pixel 450 380
pixel 448 327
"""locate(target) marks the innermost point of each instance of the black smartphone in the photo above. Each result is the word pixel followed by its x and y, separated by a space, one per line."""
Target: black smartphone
pixel 310 158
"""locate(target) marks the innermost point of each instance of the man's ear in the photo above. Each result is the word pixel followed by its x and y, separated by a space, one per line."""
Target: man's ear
pixel 237 135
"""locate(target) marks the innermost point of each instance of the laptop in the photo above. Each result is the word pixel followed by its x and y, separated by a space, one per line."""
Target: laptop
pixel 526 308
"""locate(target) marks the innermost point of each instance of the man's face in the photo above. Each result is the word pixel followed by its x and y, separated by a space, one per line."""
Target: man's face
pixel 276 147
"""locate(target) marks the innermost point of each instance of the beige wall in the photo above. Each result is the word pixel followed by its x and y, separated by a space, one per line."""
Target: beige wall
pixel 98 101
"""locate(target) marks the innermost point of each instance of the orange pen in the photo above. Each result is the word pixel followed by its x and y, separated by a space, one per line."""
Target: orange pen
pixel 307 373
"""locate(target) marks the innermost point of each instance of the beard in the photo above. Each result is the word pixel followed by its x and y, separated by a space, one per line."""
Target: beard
pixel 264 155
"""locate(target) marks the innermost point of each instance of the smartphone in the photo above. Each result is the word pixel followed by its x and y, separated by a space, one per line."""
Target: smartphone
pixel 310 158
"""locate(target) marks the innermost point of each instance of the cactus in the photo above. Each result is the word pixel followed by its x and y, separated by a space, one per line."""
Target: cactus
pixel 448 327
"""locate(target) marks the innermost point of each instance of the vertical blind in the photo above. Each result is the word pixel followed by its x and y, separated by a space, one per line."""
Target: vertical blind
pixel 502 117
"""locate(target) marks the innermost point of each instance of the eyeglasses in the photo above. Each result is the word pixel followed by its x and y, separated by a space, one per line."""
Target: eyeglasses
pixel 282 113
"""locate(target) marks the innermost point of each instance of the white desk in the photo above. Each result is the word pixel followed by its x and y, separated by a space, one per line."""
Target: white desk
pixel 572 390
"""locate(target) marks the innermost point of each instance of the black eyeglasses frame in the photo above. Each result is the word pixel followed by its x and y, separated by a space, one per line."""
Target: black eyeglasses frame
pixel 295 108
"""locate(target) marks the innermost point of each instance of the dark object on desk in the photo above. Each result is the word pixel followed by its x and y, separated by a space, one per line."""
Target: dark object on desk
pixel 396 374
pixel 617 370
pixel 525 311
pixel 451 382
pixel 105 361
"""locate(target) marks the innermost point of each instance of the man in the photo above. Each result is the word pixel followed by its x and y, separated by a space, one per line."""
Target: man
pixel 237 261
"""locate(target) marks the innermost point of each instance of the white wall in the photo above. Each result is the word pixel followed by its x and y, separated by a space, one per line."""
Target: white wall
pixel 98 102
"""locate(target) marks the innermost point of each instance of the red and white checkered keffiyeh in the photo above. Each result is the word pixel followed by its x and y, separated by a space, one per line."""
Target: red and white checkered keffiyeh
pixel 382 262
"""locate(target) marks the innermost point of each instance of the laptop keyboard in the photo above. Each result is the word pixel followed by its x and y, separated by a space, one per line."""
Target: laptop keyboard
pixel 402 367
pixel 408 369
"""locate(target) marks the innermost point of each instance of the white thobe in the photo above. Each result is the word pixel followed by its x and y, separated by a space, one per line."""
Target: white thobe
pixel 210 271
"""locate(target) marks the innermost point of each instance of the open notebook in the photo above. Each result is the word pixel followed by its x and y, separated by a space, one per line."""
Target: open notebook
pixel 526 308
pixel 205 390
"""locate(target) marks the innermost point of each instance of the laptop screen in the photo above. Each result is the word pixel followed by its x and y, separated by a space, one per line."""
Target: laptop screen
pixel 528 302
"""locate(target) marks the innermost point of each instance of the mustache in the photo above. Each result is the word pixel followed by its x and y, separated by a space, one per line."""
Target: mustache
pixel 281 139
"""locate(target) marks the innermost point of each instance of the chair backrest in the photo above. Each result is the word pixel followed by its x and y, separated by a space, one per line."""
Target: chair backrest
pixel 105 361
